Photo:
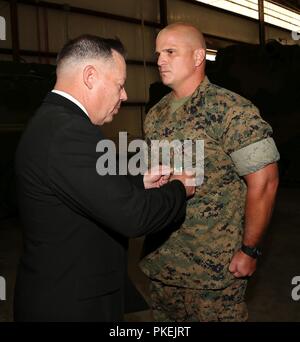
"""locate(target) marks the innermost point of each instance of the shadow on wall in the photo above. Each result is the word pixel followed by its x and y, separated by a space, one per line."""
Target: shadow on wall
pixel 22 89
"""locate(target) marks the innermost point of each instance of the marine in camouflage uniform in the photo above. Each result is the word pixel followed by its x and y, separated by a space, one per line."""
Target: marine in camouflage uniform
pixel 188 267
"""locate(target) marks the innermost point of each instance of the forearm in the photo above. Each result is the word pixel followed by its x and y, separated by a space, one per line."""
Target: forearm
pixel 261 192
pixel 257 216
pixel 259 206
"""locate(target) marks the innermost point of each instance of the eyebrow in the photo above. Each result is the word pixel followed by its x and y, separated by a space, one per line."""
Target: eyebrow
pixel 157 53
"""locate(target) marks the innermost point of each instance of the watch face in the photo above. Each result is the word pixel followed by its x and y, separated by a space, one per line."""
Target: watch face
pixel 258 252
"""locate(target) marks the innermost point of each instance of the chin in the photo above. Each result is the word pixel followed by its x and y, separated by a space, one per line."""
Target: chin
pixel 109 119
pixel 166 82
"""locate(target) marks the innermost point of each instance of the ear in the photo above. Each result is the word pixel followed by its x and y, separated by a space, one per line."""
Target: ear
pixel 199 56
pixel 90 75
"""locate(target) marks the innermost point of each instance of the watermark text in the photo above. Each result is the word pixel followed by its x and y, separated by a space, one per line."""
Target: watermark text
pixel 296 289
pixel 2 289
pixel 185 156
pixel 296 35
pixel 2 28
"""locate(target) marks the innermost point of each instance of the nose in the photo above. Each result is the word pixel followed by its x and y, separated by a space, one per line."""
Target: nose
pixel 160 60
pixel 124 96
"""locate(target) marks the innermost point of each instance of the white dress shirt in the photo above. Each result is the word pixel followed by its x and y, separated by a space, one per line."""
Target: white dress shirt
pixel 71 98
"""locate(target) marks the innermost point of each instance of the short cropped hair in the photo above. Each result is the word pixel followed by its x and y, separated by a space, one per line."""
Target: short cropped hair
pixel 89 46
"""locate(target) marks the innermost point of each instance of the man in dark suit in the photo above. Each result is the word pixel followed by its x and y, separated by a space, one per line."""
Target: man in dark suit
pixel 76 222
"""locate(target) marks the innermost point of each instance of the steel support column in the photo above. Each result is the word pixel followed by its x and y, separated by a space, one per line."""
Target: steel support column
pixel 163 10
pixel 262 32
pixel 14 30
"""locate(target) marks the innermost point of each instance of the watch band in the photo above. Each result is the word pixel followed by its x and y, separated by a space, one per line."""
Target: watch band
pixel 253 252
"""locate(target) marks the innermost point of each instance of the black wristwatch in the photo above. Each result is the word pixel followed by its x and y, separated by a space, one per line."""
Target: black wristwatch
pixel 253 252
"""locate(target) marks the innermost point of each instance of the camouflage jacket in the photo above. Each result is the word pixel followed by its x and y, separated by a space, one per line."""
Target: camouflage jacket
pixel 198 254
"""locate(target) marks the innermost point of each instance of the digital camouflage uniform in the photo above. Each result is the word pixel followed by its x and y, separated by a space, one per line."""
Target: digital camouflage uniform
pixel 197 256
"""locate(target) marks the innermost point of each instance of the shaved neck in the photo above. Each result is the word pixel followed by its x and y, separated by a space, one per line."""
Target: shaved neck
pixel 70 75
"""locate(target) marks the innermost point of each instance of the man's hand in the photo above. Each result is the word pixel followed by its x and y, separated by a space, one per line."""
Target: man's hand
pixel 188 180
pixel 242 265
pixel 157 176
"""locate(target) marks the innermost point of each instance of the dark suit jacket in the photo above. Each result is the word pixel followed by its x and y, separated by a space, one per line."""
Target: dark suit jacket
pixel 76 223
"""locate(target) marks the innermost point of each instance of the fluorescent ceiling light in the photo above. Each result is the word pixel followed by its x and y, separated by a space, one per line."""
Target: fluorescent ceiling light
pixel 210 57
pixel 211 54
pixel 274 14
pixel 243 7
pixel 281 17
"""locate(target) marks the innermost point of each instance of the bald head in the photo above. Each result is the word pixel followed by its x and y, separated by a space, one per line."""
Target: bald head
pixel 181 52
pixel 187 32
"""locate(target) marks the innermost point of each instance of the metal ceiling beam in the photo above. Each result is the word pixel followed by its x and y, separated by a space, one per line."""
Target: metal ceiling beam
pixel 85 11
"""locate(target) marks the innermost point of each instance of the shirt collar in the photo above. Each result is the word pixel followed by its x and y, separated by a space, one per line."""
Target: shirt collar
pixel 203 85
pixel 71 98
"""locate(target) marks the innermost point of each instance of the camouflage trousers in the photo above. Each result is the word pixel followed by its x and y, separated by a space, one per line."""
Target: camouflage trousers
pixel 178 304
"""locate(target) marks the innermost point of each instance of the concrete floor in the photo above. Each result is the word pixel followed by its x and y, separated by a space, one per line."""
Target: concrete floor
pixel 269 292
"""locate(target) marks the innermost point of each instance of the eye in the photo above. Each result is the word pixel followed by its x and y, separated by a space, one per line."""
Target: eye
pixel 170 51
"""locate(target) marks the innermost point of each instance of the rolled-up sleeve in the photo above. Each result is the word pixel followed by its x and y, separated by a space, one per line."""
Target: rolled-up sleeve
pixel 255 156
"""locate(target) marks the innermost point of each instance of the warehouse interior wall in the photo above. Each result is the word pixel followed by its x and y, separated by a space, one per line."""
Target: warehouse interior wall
pixel 43 31
pixel 229 26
